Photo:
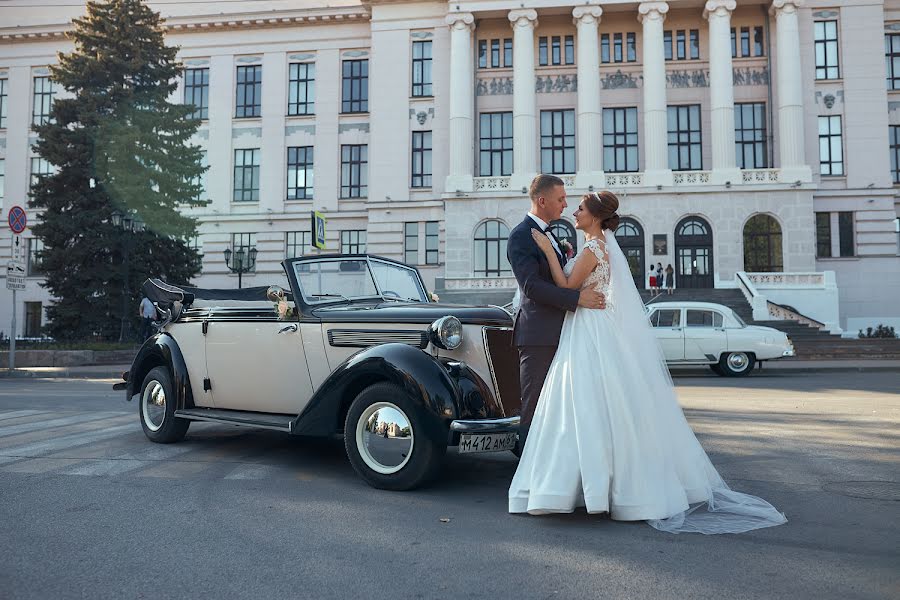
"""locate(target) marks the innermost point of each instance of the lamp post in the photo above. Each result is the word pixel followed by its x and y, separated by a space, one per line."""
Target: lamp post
pixel 130 224
pixel 240 261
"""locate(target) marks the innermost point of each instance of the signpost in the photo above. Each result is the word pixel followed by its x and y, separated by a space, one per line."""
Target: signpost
pixel 318 229
pixel 15 272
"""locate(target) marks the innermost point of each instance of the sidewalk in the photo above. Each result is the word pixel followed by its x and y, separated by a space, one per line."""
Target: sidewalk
pixel 779 367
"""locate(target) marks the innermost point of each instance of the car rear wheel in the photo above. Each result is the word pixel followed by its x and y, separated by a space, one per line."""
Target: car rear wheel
pixel 387 441
pixel 736 364
pixel 157 408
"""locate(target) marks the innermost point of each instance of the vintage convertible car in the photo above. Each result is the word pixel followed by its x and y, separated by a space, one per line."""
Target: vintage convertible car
pixel 361 353
pixel 703 333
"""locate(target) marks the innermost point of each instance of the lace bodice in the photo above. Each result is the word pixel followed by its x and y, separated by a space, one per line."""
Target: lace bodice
pixel 599 277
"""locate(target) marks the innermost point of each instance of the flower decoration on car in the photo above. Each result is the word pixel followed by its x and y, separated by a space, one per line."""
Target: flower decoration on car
pixel 283 310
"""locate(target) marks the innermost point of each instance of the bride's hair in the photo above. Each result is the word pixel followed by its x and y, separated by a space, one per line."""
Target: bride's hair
pixel 603 205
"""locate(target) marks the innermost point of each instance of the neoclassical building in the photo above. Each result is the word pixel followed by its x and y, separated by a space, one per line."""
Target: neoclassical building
pixel 752 144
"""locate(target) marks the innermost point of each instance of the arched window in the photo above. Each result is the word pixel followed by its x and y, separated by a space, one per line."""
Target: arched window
pixel 490 249
pixel 564 231
pixel 763 245
pixel 693 253
pixel 693 227
pixel 630 237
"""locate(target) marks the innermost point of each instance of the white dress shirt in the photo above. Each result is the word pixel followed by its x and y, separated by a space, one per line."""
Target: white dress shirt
pixel 545 226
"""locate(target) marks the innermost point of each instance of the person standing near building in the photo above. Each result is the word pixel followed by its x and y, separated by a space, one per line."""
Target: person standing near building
pixel 660 282
pixel 651 280
pixel 147 313
pixel 670 280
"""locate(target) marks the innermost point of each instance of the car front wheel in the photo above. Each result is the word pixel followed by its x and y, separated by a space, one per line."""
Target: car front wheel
pixel 387 441
pixel 157 408
pixel 736 364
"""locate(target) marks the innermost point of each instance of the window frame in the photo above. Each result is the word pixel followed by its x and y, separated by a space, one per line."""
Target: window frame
pixel 432 238
pixel 354 157
pixel 556 142
pixel 757 135
pixel 300 158
pixel 193 89
pixel 248 93
pixel 252 169
pixel 830 49
pixel 353 239
pixel 354 86
pixel 421 75
pixel 297 239
pixel 846 234
pixel 830 136
pixel 620 141
pixel 421 169
pixel 491 245
pixel 505 143
pixel 693 113
pixel 250 239
pixel 4 101
pixel 823 235
pixel 411 242
pixel 42 100
pixel 33 265
pixel 892 60
pixel 305 82
pixel 894 149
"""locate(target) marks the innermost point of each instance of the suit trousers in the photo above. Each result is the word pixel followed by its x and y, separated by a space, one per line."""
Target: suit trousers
pixel 534 363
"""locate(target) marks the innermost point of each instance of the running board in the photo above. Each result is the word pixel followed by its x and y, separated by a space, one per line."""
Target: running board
pixel 239 417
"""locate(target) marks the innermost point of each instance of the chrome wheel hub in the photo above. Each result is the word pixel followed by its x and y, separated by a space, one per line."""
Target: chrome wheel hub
pixel 738 361
pixel 153 405
pixel 384 437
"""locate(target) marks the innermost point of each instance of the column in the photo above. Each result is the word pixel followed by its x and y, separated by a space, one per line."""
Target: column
pixel 525 140
pixel 789 87
pixel 656 158
pixel 721 92
pixel 590 121
pixel 462 101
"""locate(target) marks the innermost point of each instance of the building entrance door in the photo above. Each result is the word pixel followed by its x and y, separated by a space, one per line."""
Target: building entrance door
pixel 693 254
pixel 630 237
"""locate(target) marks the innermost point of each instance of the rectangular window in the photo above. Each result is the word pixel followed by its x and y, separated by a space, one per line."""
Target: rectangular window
pixel 246 175
pixel 891 58
pixel 680 45
pixel 196 92
pixel 482 54
pixel 620 139
pixel 831 149
pixel 507 53
pixel 35 245
pixel 355 86
pixel 557 141
pixel 300 174
pixel 570 50
pixel 685 147
pixel 297 243
pixel 745 41
pixel 617 47
pixel 542 52
pixel 750 135
pixel 249 92
pixel 893 142
pixel 39 168
pixel 241 245
pixel 495 156
pixel 301 89
pixel 353 241
pixel 555 50
pixel 411 243
pixel 421 159
pixel 758 42
pixel 631 46
pixel 733 43
pixel 695 44
pixel 33 311
pixel 823 235
pixel 667 44
pixel 604 48
pixel 421 66
pixel 826 45
pixel 495 54
pixel 43 100
pixel 845 234
pixel 196 244
pixel 354 171
pixel 432 230
pixel 4 100
pixel 200 180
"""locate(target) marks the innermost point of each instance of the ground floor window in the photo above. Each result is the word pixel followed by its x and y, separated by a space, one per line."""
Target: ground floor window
pixel 763 245
pixel 33 312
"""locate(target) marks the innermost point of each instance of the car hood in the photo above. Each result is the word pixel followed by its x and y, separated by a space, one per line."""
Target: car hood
pixel 412 312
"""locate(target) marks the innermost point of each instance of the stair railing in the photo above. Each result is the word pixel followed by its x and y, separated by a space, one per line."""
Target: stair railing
pixel 758 302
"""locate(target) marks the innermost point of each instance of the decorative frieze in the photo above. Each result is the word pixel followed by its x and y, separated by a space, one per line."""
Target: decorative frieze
pixel 753 176
pixel 691 177
pixel 560 84
pixel 687 79
pixel 751 76
pixel 293 129
pixel 495 86
pixel 619 80
pixel 618 180
pixel 487 184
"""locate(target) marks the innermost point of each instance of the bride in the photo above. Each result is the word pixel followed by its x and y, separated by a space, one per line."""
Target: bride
pixel 608 433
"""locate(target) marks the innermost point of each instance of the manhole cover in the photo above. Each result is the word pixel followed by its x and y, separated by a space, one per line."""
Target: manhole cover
pixel 874 490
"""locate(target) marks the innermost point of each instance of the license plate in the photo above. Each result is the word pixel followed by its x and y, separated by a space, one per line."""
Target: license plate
pixel 486 442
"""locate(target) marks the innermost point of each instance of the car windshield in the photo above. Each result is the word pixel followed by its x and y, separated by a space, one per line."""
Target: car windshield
pixel 332 279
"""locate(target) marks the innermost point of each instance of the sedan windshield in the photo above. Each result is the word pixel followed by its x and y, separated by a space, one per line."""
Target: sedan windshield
pixel 332 279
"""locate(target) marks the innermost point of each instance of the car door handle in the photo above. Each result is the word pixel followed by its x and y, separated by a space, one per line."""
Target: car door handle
pixel 292 328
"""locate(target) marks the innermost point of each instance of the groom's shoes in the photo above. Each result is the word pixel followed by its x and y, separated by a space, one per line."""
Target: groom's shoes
pixel 520 443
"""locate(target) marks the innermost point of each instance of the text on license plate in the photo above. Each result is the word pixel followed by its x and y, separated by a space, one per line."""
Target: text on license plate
pixel 486 442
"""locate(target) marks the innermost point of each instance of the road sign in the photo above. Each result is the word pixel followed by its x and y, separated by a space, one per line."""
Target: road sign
pixel 318 229
pixel 18 249
pixel 15 275
pixel 17 219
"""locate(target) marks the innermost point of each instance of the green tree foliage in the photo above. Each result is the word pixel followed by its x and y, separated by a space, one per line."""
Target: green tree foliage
pixel 117 127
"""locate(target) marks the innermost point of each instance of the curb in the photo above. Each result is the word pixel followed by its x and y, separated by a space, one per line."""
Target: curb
pixel 62 373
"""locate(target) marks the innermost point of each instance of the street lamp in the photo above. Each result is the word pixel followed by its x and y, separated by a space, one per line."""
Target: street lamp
pixel 240 261
pixel 130 224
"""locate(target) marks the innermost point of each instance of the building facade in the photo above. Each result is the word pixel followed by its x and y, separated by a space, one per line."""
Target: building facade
pixel 741 137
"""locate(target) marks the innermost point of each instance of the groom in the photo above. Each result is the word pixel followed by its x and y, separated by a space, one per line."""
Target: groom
pixel 543 305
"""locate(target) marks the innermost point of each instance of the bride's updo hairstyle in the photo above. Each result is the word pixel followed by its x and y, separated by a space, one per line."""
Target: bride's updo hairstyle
pixel 603 206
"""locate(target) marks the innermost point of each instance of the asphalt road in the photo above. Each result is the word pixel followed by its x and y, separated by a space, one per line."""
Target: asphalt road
pixel 91 509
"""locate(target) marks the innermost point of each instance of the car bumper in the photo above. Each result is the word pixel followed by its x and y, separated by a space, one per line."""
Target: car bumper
pixel 505 425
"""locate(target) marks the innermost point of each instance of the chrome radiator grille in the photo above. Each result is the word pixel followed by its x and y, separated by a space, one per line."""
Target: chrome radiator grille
pixel 364 338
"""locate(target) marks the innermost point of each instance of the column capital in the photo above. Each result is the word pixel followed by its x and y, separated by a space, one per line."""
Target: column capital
pixel 586 15
pixel 652 11
pixel 460 20
pixel 785 6
pixel 718 8
pixel 523 17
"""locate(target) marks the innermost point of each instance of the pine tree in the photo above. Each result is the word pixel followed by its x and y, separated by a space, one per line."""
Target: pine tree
pixel 118 144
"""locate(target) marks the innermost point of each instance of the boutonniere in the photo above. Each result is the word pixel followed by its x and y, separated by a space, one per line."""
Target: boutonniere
pixel 567 249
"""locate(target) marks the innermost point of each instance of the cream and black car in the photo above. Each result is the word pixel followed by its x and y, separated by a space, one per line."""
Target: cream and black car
pixel 356 350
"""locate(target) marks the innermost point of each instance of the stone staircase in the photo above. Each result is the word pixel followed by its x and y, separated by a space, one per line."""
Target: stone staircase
pixel 809 342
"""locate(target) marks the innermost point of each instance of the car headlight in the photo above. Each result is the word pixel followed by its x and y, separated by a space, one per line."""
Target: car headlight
pixel 446 333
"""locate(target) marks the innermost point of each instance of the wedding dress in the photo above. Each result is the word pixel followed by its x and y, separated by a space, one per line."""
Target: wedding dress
pixel 608 432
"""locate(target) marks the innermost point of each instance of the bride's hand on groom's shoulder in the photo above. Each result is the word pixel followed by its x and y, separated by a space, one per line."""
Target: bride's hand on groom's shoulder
pixel 542 240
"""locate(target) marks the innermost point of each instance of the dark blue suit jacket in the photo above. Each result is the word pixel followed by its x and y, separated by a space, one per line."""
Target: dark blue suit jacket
pixel 543 304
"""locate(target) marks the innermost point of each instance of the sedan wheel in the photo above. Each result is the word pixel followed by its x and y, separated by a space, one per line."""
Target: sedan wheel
pixel 157 408
pixel 736 364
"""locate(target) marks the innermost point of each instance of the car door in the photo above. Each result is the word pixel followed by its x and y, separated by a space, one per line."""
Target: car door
pixel 257 364
pixel 704 335
pixel 667 326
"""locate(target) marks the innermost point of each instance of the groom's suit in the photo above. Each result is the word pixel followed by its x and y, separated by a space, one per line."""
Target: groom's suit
pixel 540 317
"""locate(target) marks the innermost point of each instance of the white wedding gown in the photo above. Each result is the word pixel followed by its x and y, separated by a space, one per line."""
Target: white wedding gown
pixel 608 432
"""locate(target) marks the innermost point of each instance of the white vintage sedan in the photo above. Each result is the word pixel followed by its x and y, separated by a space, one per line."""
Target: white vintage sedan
pixel 703 333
